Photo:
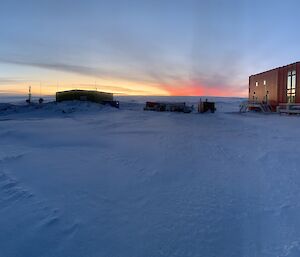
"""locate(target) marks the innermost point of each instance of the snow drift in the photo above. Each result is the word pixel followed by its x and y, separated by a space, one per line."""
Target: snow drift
pixel 79 179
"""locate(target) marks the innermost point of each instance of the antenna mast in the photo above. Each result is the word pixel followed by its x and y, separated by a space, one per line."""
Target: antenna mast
pixel 29 95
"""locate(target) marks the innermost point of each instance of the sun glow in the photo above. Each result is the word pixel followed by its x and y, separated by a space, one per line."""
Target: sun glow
pixel 193 89
pixel 119 88
pixel 47 82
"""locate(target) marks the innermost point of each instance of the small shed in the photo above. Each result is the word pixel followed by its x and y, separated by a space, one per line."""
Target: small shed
pixel 84 95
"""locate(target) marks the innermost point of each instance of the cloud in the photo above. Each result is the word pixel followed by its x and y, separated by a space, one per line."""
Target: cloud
pixel 115 89
pixel 102 73
pixel 13 81
pixel 197 83
pixel 144 61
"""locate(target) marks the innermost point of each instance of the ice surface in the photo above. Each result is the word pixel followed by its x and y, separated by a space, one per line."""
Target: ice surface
pixel 79 179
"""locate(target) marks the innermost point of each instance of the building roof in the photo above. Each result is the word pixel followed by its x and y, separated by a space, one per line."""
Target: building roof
pixel 275 69
pixel 81 90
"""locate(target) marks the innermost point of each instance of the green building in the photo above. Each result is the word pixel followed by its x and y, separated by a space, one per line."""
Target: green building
pixel 84 95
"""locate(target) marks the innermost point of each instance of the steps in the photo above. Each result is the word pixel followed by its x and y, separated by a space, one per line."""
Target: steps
pixel 255 106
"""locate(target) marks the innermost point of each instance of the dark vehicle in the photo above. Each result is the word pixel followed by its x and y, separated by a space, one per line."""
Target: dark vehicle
pixel 168 107
pixel 206 106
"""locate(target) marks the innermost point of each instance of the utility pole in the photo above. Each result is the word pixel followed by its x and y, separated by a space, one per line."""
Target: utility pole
pixel 29 95
pixel 41 100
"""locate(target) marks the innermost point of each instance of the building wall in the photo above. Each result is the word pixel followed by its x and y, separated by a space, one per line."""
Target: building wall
pixel 276 85
pixel 298 82
pixel 260 92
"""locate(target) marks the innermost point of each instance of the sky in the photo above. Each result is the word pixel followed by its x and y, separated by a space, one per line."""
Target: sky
pixel 141 47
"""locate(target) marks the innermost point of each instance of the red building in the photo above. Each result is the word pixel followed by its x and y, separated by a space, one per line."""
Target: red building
pixel 276 86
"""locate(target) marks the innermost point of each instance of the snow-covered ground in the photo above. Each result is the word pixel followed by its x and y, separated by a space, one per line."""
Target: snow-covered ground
pixel 79 179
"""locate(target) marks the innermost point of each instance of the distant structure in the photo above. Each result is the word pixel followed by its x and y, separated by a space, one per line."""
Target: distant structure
pixel 29 95
pixel 167 107
pixel 206 106
pixel 87 95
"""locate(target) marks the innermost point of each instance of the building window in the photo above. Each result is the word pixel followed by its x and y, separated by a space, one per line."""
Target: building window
pixel 291 87
pixel 266 91
pixel 256 84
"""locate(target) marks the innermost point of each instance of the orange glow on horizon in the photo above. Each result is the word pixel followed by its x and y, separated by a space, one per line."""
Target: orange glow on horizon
pixel 45 81
pixel 112 86
pixel 198 90
pixel 125 88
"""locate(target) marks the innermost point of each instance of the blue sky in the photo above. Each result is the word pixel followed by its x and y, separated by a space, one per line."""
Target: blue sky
pixel 144 47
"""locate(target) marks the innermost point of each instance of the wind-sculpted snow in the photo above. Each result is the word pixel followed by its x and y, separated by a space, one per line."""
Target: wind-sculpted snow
pixel 80 179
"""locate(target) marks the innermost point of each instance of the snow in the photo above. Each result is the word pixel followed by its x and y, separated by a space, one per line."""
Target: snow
pixel 80 179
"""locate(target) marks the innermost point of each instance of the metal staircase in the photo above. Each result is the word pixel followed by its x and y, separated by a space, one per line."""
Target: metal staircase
pixel 255 106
